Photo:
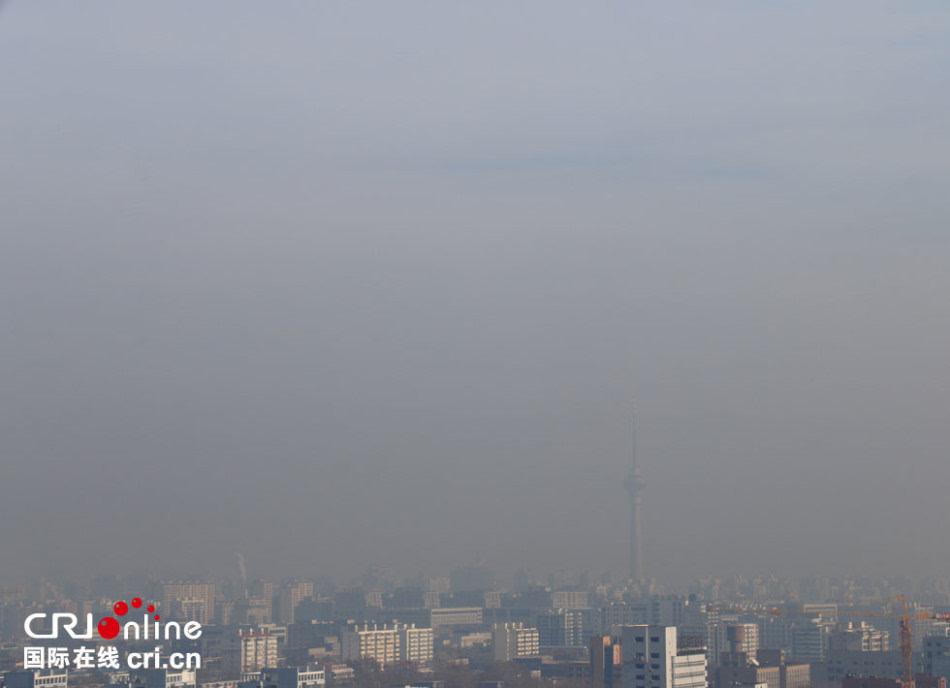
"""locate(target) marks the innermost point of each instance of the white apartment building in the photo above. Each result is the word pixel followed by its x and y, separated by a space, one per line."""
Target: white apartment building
pixel 388 645
pixel 417 645
pixel 241 652
pixel 254 650
pixel 652 659
pixel 512 640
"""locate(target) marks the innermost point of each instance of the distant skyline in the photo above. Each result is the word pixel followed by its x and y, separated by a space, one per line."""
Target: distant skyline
pixel 342 285
pixel 770 585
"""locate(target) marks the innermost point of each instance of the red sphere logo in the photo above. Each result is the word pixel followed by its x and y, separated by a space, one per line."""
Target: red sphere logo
pixel 109 627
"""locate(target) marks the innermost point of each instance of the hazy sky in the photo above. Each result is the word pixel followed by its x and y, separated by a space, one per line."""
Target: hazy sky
pixel 345 284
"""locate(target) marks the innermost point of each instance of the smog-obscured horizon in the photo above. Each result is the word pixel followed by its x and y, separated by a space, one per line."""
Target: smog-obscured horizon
pixel 375 284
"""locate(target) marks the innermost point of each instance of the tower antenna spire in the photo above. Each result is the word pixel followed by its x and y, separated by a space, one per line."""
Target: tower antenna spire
pixel 635 486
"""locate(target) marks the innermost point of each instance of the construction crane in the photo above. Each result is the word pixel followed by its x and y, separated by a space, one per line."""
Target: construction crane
pixel 906 634
pixel 907 641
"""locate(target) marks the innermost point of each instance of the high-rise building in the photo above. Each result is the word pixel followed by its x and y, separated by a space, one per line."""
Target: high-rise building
pixel 512 640
pixel 290 595
pixel 607 620
pixel 937 655
pixel 262 588
pixel 416 645
pixel 767 668
pixel 729 634
pixel 255 651
pixel 455 616
pixel 241 651
pixel 606 662
pixel 564 627
pixel 790 675
pixel 775 633
pixel 653 657
pixel 859 637
pixel 737 639
pixel 810 640
pixel 841 663
pixel 570 599
pixel 252 611
pixel 189 601
pixel 387 645
pixel 667 610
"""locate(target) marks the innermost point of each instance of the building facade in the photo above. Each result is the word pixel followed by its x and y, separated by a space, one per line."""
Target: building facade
pixel 388 645
pixel 653 658
pixel 513 641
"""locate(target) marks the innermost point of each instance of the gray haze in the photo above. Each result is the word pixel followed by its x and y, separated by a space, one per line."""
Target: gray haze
pixel 345 284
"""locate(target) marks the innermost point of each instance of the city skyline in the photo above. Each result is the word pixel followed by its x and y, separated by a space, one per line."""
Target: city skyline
pixel 768 631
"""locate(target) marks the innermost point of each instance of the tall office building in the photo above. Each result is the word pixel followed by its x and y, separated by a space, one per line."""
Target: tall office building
pixel 810 640
pixel 564 627
pixel 654 657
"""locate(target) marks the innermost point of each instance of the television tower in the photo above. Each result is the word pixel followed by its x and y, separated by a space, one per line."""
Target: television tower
pixel 635 486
